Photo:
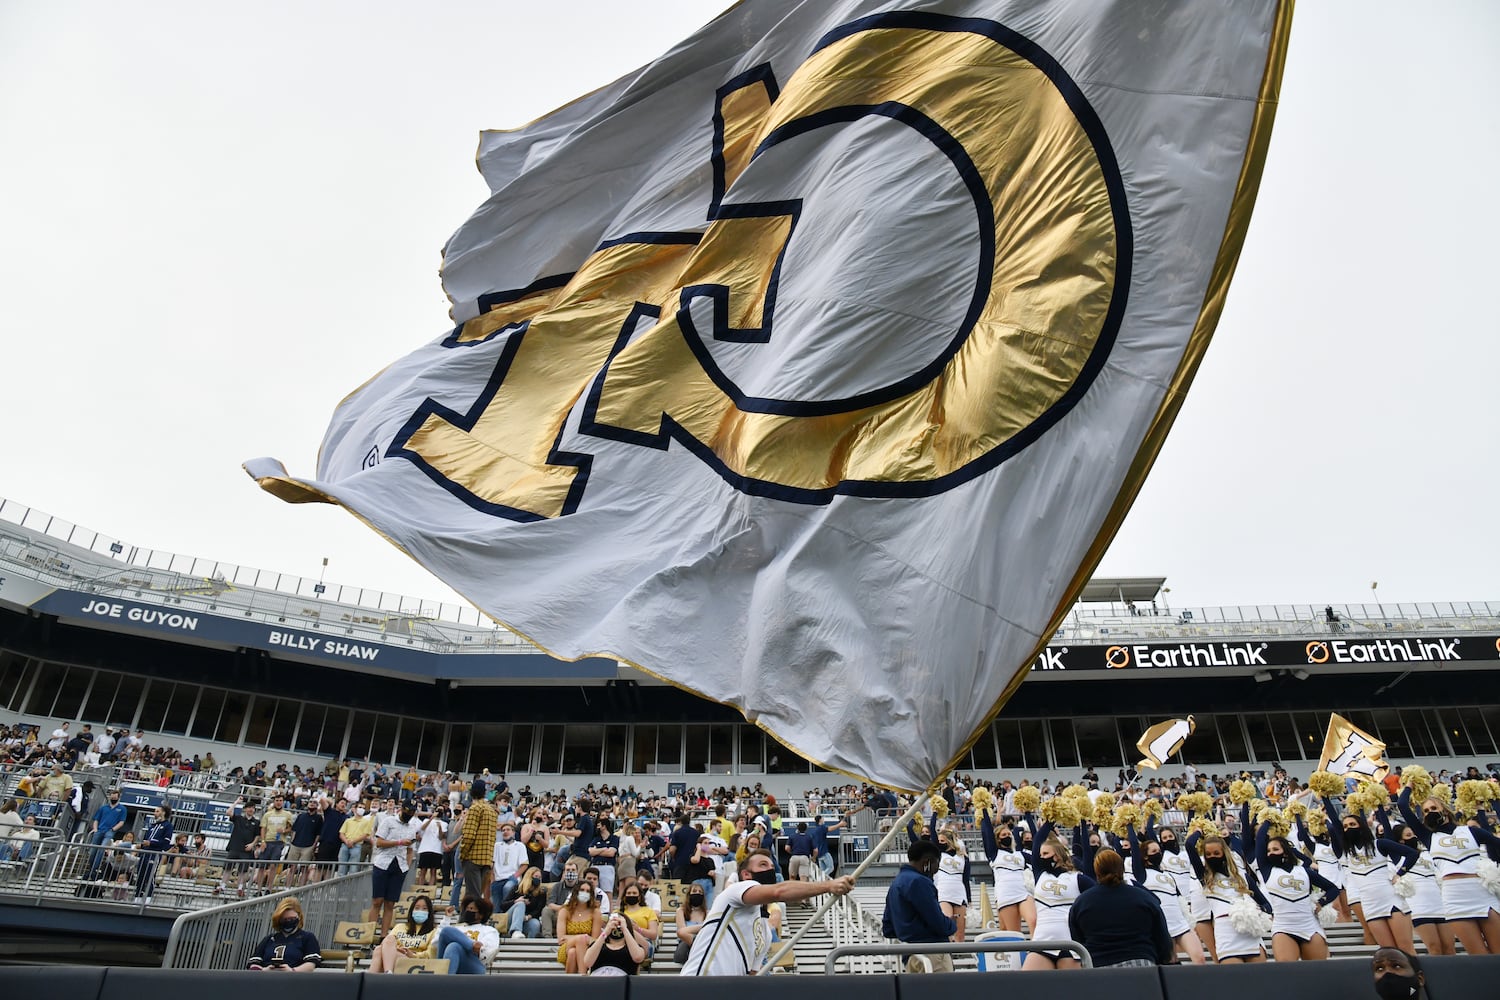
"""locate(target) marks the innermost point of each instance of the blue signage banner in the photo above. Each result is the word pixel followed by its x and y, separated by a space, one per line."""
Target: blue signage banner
pixel 285 641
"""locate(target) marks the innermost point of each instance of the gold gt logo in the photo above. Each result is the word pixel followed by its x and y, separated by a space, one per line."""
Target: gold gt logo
pixel 621 336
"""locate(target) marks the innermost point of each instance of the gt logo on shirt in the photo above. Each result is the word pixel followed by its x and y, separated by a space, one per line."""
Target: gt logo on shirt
pixel 679 336
pixel 1291 882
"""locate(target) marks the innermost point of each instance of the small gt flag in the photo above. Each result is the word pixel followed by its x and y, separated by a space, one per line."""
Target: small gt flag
pixel 1349 750
pixel 1163 740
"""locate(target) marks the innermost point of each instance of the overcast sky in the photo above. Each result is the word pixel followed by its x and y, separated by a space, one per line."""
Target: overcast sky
pixel 218 219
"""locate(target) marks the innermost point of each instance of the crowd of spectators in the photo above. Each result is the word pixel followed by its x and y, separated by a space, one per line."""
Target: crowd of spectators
pixel 578 866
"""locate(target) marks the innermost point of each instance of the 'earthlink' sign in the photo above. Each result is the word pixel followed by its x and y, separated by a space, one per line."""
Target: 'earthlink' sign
pixel 1260 653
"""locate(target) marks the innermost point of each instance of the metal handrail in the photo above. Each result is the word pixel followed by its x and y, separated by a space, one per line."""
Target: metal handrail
pixel 950 947
pixel 221 937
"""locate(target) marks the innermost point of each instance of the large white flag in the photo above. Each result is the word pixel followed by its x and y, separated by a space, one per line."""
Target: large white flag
pixel 813 366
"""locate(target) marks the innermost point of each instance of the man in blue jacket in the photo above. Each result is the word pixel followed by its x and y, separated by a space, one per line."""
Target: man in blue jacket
pixel 108 826
pixel 912 913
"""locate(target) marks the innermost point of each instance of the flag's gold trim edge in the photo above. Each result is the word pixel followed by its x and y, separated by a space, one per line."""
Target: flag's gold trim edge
pixel 295 491
pixel 1235 229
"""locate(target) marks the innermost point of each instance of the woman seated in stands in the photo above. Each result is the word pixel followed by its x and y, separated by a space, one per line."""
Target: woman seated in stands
pixel 616 952
pixel 579 922
pixel 524 909
pixel 414 939
pixel 290 947
pixel 469 945
pixel 689 918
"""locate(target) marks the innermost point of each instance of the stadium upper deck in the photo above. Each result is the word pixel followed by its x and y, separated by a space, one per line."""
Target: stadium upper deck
pixel 221 654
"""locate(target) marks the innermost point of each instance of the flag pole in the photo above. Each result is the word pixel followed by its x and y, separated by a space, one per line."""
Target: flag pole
pixel 875 852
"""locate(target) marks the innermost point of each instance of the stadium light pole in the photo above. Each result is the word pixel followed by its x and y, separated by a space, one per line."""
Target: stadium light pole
pixel 1375 589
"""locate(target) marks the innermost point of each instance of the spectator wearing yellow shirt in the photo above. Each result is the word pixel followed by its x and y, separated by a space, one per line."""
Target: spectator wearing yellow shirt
pixel 353 835
pixel 409 784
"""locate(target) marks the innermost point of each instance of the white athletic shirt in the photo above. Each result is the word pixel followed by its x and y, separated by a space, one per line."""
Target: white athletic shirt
pixel 1456 853
pixel 1222 894
pixel 734 940
pixel 949 878
pixel 1054 895
pixel 1009 869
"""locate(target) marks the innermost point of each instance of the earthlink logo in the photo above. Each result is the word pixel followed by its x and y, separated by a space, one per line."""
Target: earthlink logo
pixel 1317 652
pixel 1116 657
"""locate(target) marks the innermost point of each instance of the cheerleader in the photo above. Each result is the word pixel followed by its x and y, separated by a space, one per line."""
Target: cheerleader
pixel 1226 881
pixel 1288 882
pixel 1146 862
pixel 1058 884
pixel 1426 900
pixel 1176 864
pixel 952 880
pixel 1009 866
pixel 1326 864
pixel 1369 877
pixel 1471 910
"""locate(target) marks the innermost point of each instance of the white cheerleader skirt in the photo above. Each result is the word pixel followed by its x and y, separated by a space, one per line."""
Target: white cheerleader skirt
pixel 1053 929
pixel 1376 897
pixel 1202 913
pixel 1010 889
pixel 1302 925
pixel 1175 909
pixel 1427 901
pixel 1232 943
pixel 951 890
pixel 1467 899
pixel 1333 873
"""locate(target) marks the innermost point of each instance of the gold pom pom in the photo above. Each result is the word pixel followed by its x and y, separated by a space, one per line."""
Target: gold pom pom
pixel 1378 793
pixel 1474 796
pixel 1325 784
pixel 1104 811
pixel 1027 799
pixel 1279 825
pixel 1241 792
pixel 983 802
pixel 1154 807
pixel 939 806
pixel 1443 792
pixel 1317 822
pixel 1061 810
pixel 1078 792
pixel 1205 826
pixel 1126 816
pixel 1297 809
pixel 1418 779
pixel 1199 802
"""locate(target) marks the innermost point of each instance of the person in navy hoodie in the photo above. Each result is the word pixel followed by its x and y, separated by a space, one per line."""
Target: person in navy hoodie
pixel 154 843
pixel 912 913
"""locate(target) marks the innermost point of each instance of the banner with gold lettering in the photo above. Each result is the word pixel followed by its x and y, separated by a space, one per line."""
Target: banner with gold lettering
pixel 813 366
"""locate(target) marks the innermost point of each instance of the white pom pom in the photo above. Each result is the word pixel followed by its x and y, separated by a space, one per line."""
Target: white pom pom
pixel 1186 906
pixel 1030 880
pixel 1405 886
pixel 1489 876
pixel 1247 917
pixel 1328 916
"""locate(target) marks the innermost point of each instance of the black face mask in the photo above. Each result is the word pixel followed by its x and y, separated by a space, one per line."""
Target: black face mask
pixel 1433 821
pixel 767 877
pixel 471 916
pixel 289 924
pixel 1169 846
pixel 1394 987
pixel 1153 861
pixel 1283 861
pixel 696 899
pixel 406 815
pixel 1052 868
pixel 1358 836
pixel 632 900
pixel 1005 843
pixel 1220 865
